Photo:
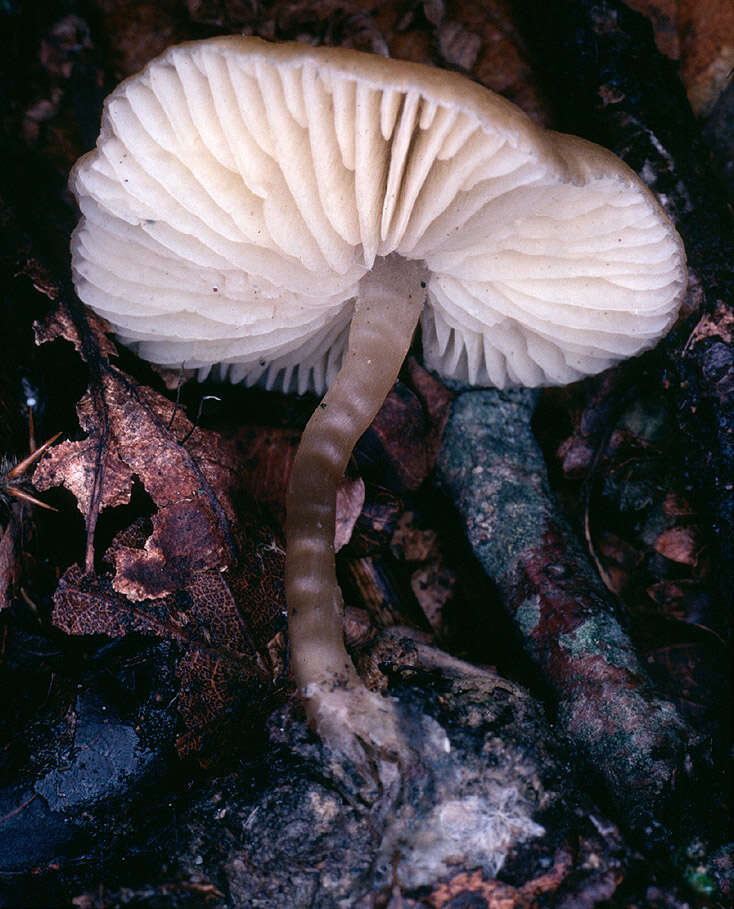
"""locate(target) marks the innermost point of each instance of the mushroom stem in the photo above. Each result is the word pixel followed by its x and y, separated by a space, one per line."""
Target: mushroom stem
pixel 387 310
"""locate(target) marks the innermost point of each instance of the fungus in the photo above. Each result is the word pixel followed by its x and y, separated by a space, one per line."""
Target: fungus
pixel 286 215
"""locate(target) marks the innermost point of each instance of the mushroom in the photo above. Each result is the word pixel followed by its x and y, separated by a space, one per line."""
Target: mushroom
pixel 286 215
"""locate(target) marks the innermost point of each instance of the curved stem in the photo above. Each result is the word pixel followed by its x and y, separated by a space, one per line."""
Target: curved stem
pixel 386 314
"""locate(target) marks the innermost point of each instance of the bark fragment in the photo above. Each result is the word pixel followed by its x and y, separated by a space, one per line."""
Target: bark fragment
pixel 494 472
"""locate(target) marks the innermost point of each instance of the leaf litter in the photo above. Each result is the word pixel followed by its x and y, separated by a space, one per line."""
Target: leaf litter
pixel 170 574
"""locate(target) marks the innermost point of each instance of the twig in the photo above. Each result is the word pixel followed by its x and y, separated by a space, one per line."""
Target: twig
pixel 494 472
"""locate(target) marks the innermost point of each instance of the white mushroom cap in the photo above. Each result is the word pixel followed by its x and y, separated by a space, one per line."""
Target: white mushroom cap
pixel 239 190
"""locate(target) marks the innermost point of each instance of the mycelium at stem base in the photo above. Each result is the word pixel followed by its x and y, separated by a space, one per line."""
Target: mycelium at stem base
pixel 345 714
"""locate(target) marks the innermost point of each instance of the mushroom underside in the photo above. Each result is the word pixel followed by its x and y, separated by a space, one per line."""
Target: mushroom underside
pixel 239 193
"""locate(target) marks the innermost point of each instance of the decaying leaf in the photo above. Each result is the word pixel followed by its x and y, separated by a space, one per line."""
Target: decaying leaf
pixel 707 50
pixel 432 581
pixel 719 326
pixel 473 888
pixel 267 455
pixel 183 572
pixel 61 323
pixel 88 604
pixel 224 657
pixel 15 498
pixel 664 17
pixel 679 544
pixel 8 563
pixel 350 495
pixel 436 400
pixel 412 543
pixel 408 428
pixel 73 465
pixel 133 432
pixel 221 663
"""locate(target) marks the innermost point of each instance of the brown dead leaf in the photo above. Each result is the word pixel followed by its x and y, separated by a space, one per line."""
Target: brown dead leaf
pixel 88 604
pixel 699 33
pixel 400 430
pixel 208 680
pixel 61 325
pixel 204 610
pixel 469 888
pixel 676 506
pixel 169 575
pixel 719 325
pixel 412 543
pixel 256 580
pixel 140 30
pixel 8 563
pixel 664 17
pixel 212 683
pixel 432 583
pixel 349 502
pixel 225 659
pixel 214 615
pixel 133 432
pixel 433 586
pixel 679 544
pixel 267 455
pixel 707 50
pixel 376 523
pixel 185 541
pixel 73 465
pixel 213 675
